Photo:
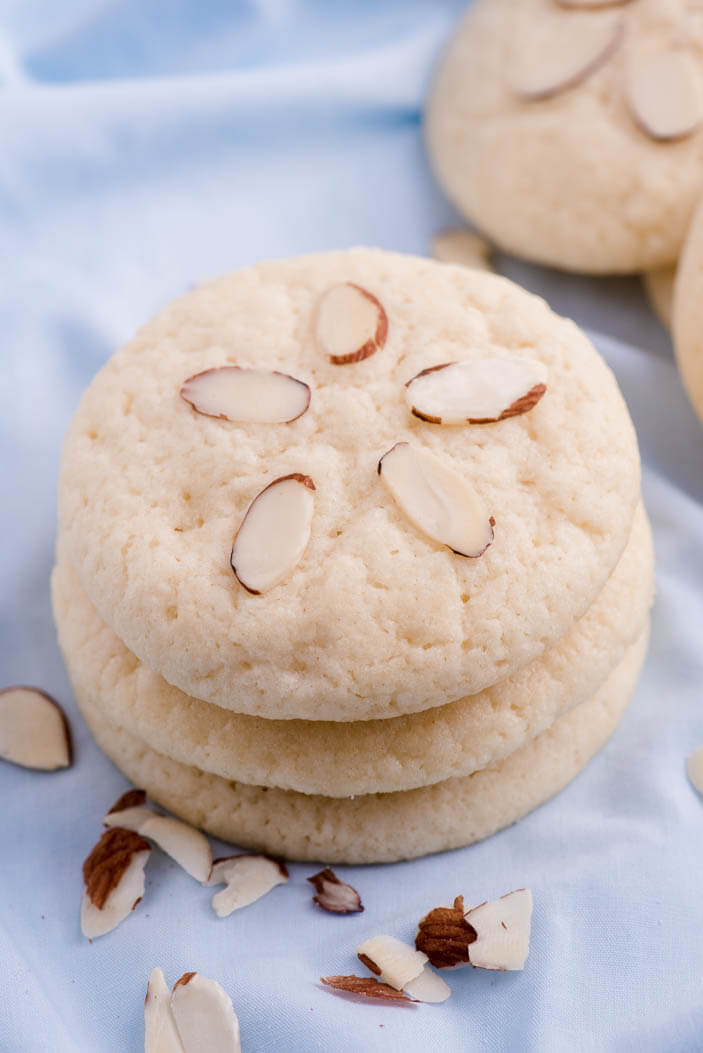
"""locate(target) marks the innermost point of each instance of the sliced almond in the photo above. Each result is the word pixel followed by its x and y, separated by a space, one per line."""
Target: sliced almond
pixel 129 811
pixel 204 1016
pixel 502 931
pixel 570 50
pixel 247 878
pixel 334 895
pixel 260 396
pixel 665 95
pixel 392 961
pixel 479 390
pixel 34 731
pixel 274 533
pixel 463 247
pixel 366 986
pixel 444 936
pixel 350 323
pixel 160 1031
pixel 437 499
pixel 183 843
pixel 114 880
pixel 694 768
pixel 428 986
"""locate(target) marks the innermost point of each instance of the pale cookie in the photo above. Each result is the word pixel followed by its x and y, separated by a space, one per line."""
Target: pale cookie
pixel 338 760
pixel 572 133
pixel 378 828
pixel 659 286
pixel 364 610
pixel 687 315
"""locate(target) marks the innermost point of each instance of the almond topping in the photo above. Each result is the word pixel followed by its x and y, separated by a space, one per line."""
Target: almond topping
pixel 274 533
pixel 247 878
pixel 260 396
pixel 444 936
pixel 570 49
pixel 160 1031
pixel 694 768
pixel 204 1016
pixel 114 880
pixel 664 92
pixel 334 895
pixel 350 323
pixel 437 499
pixel 364 985
pixel 33 729
pixel 464 247
pixel 183 843
pixel 479 390
pixel 502 929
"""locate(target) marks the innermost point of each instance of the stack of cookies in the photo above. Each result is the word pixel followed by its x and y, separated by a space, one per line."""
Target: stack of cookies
pixel 352 564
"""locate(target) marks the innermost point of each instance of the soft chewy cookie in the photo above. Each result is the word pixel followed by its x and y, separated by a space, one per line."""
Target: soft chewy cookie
pixel 400 563
pixel 570 131
pixel 687 314
pixel 339 760
pixel 377 828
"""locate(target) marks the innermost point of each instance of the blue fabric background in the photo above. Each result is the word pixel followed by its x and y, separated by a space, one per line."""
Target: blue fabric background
pixel 150 143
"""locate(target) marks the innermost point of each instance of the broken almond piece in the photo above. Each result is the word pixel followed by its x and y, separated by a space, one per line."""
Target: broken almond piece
pixel 569 52
pixel 114 880
pixel 664 92
pixel 204 1016
pixel 260 396
pixel 444 936
pixel 34 732
pixel 502 929
pixel 350 323
pixel 160 1031
pixel 437 499
pixel 428 986
pixel 479 390
pixel 694 769
pixel 404 968
pixel 129 811
pixel 248 878
pixel 183 843
pixel 334 895
pixel 366 986
pixel 463 247
pixel 274 533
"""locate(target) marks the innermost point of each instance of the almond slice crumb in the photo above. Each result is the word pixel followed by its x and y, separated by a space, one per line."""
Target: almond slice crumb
pixel 160 1031
pixel 665 96
pixel 34 732
pixel 570 51
pixel 480 390
pixel 428 987
pixel 183 843
pixel 404 968
pixel 444 936
pixel 204 1016
pixel 260 396
pixel 437 499
pixel 114 880
pixel 502 929
pixel 463 247
pixel 334 895
pixel 274 533
pixel 247 878
pixel 367 987
pixel 694 769
pixel 350 323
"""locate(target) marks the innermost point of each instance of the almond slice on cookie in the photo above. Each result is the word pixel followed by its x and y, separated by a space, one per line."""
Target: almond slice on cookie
pixel 274 533
pixel 573 50
pixel 351 324
pixel 260 396
pixel 480 390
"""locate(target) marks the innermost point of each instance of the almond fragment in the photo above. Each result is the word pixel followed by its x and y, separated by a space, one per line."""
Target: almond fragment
pixel 502 929
pixel 204 1016
pixel 34 732
pixel 444 936
pixel 437 499
pixel 114 880
pixel 334 895
pixel 350 323
pixel 274 533
pixel 183 843
pixel 129 811
pixel 259 396
pixel 364 985
pixel 479 390
pixel 247 878
pixel 428 986
pixel 694 769
pixel 403 967
pixel 463 247
pixel 664 92
pixel 160 1031
pixel 567 54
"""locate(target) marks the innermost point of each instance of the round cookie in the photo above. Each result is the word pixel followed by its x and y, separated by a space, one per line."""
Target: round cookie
pixel 687 315
pixel 570 132
pixel 339 760
pixel 376 619
pixel 378 828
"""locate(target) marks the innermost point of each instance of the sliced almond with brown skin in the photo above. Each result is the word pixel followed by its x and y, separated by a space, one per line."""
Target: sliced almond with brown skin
pixel 114 880
pixel 444 936
pixel 247 878
pixel 694 769
pixel 400 965
pixel 160 1031
pixel 570 52
pixel 204 1016
pixel 260 396
pixel 34 732
pixel 463 247
pixel 129 811
pixel 183 843
pixel 368 988
pixel 502 929
pixel 350 323
pixel 437 499
pixel 665 94
pixel 274 533
pixel 480 390
pixel 334 895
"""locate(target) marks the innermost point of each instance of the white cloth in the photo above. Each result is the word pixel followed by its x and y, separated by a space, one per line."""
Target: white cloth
pixel 146 144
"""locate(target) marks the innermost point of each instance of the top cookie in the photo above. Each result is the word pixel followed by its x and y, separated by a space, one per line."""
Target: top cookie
pixel 373 615
pixel 570 131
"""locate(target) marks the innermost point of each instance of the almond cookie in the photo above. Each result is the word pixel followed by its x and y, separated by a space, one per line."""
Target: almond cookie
pixel 396 563
pixel 571 132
